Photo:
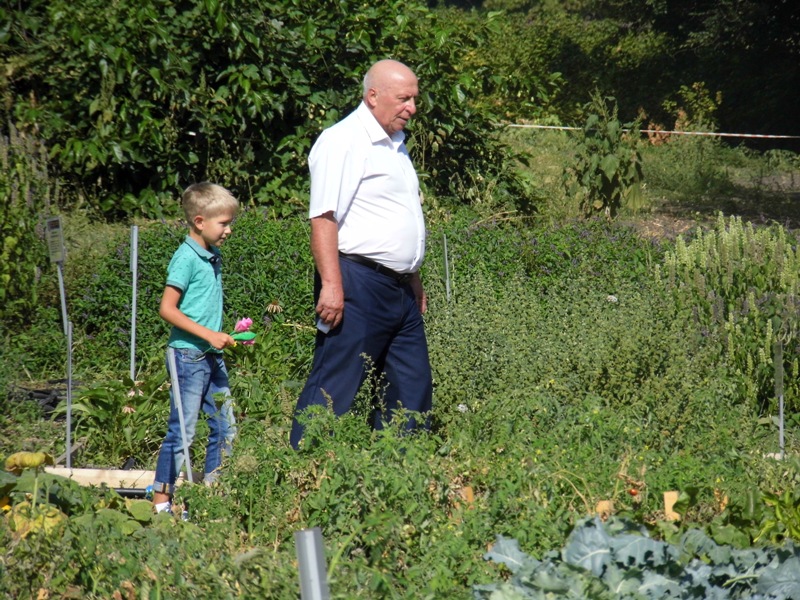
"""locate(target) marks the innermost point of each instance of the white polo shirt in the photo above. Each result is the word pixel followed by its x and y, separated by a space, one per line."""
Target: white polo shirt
pixel 366 178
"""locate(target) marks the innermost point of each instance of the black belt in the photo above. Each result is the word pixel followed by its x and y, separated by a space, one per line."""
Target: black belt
pixel 371 264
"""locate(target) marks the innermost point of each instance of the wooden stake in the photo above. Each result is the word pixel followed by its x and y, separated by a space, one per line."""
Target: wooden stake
pixel 670 498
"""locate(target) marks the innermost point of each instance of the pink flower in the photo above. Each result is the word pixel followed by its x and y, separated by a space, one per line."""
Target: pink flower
pixel 243 325
pixel 247 342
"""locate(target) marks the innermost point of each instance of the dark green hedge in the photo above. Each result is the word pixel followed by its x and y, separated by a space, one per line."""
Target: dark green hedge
pixel 265 260
pixel 136 99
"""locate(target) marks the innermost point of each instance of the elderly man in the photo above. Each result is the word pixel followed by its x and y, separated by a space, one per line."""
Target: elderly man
pixel 368 242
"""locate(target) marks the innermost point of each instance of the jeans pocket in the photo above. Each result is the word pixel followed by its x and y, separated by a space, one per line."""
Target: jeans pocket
pixel 190 355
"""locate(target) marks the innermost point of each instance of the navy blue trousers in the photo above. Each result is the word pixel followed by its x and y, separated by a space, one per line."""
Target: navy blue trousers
pixel 382 321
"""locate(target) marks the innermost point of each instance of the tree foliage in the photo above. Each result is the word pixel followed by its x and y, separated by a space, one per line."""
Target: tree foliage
pixel 137 99
pixel 642 53
pixel 134 100
pixel 26 190
pixel 750 50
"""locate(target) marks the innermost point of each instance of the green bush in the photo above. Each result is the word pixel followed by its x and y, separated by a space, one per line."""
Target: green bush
pixel 136 99
pixel 740 285
pixel 101 298
pixel 265 261
pixel 26 198
pixel 110 546
pixel 121 420
pixel 530 360
pixel 584 365
pixel 503 246
pixel 518 75
pixel 545 57
pixel 607 173
pixel 693 169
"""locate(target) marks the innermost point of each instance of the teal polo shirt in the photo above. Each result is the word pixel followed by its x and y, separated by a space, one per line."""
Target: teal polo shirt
pixel 197 273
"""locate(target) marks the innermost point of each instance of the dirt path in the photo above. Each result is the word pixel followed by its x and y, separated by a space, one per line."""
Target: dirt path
pixel 770 199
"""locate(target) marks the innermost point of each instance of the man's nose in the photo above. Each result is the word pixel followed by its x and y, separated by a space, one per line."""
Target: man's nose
pixel 411 106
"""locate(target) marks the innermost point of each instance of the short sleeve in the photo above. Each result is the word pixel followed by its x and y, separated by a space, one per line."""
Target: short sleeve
pixel 179 271
pixel 336 171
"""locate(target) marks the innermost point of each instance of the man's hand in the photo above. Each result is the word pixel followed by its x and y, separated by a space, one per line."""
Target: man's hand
pixel 330 306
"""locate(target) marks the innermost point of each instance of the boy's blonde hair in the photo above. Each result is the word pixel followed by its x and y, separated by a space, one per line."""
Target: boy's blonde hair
pixel 208 200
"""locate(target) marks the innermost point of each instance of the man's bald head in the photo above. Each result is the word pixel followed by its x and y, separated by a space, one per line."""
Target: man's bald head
pixel 390 92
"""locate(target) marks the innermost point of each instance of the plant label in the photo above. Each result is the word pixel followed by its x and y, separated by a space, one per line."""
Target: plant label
pixel 55 239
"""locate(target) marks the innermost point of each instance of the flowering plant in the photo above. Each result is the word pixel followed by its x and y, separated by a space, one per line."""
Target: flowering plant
pixel 243 325
pixel 241 332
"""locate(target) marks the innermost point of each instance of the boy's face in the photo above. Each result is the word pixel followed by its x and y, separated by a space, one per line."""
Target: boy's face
pixel 213 230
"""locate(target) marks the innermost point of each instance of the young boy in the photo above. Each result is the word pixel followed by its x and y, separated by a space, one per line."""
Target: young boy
pixel 192 304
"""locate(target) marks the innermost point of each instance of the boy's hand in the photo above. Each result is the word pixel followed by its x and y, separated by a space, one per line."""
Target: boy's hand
pixel 170 312
pixel 220 340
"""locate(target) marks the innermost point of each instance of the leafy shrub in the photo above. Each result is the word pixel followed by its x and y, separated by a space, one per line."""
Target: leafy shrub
pixel 121 420
pixel 590 367
pixel 265 376
pixel 612 255
pixel 740 285
pixel 106 546
pixel 387 510
pixel 516 69
pixel 24 425
pixel 37 350
pixel 503 246
pixel 769 514
pixel 696 108
pixel 266 261
pixel 567 50
pixel 26 193
pixel 619 559
pixel 608 173
pixel 139 98
pixel 102 304
pixel 547 152
pixel 691 168
pixel 633 362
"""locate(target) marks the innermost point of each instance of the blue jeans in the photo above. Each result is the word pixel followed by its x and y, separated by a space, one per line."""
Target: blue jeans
pixel 201 375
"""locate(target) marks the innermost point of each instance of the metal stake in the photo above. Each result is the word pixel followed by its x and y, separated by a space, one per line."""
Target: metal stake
pixel 176 397
pixel 63 294
pixel 778 364
pixel 446 268
pixel 311 561
pixel 134 286
pixel 69 395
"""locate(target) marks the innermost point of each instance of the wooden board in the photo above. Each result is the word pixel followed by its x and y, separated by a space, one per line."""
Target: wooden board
pixel 113 478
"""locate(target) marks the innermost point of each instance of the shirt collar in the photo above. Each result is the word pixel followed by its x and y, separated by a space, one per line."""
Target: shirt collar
pixel 375 132
pixel 213 256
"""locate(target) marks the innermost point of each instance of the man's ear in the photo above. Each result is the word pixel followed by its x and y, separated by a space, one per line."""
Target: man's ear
pixel 372 97
pixel 198 222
